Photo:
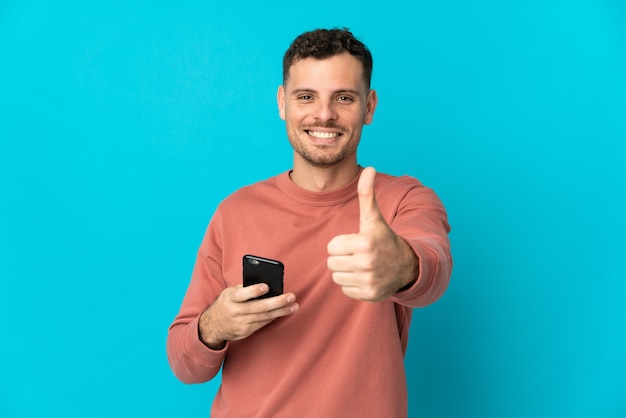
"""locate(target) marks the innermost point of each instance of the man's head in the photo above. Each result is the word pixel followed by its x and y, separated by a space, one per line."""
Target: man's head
pixel 325 43
pixel 326 97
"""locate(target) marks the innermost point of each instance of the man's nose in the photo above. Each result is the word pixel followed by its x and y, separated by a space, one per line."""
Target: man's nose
pixel 325 111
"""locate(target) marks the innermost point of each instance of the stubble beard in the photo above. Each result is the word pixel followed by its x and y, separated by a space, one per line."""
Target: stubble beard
pixel 321 156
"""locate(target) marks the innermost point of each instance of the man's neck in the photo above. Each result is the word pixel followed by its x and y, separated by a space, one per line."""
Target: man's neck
pixel 323 179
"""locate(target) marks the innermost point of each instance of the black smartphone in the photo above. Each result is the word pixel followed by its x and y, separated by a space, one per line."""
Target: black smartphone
pixel 263 270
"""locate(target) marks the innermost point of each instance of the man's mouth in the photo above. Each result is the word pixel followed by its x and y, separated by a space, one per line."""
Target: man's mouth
pixel 323 135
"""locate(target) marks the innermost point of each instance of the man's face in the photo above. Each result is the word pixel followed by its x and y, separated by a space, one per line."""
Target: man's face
pixel 325 104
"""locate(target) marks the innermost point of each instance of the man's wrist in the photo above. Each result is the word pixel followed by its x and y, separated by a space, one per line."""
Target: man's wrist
pixel 412 268
pixel 204 333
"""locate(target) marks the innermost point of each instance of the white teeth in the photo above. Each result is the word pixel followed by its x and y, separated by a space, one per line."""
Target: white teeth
pixel 323 135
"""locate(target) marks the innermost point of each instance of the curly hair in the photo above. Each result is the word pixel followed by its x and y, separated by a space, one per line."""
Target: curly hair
pixel 325 43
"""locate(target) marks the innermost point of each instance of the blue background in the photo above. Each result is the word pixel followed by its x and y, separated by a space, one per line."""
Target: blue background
pixel 124 124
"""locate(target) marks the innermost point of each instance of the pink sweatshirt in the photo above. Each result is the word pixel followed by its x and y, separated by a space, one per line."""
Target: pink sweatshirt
pixel 336 357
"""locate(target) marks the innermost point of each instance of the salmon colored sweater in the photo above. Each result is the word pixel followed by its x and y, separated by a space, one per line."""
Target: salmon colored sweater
pixel 336 357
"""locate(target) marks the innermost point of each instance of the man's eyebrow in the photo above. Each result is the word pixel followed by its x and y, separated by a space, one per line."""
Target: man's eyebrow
pixel 349 91
pixel 302 90
pixel 340 91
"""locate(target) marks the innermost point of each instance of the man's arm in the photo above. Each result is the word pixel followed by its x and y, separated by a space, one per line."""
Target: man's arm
pixel 197 341
pixel 376 263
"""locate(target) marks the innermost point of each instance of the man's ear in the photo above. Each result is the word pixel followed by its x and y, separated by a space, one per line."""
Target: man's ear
pixel 370 107
pixel 280 98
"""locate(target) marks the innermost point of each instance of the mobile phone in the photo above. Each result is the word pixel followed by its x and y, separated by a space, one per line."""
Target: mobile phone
pixel 263 270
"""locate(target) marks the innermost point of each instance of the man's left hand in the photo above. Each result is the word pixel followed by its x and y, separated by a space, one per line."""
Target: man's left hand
pixel 374 263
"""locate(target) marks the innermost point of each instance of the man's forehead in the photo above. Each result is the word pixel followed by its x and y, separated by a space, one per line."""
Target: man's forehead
pixel 343 69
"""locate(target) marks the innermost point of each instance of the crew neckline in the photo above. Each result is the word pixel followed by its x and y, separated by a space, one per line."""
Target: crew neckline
pixel 310 198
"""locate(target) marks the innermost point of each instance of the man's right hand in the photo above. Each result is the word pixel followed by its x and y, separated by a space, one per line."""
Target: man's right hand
pixel 234 316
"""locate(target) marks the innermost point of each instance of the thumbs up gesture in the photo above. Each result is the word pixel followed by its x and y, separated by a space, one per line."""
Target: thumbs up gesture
pixel 374 263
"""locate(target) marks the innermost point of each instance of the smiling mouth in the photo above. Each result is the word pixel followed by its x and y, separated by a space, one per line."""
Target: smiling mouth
pixel 323 135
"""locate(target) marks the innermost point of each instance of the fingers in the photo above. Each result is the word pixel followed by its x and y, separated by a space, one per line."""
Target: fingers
pixel 369 216
pixel 360 286
pixel 273 308
pixel 256 310
pixel 368 207
pixel 356 262
pixel 228 320
pixel 269 308
pixel 277 304
pixel 343 245
pixel 241 294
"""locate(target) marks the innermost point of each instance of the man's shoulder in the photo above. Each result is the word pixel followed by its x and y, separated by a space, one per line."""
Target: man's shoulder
pixel 404 189
pixel 252 192
pixel 397 182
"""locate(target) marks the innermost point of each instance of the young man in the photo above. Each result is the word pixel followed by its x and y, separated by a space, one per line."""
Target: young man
pixel 360 250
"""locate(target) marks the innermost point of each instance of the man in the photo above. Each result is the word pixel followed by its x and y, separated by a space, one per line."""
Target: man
pixel 360 249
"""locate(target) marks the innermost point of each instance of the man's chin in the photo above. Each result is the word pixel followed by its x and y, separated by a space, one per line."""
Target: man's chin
pixel 322 161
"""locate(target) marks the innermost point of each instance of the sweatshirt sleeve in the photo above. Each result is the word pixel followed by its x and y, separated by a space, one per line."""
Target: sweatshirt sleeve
pixel 420 219
pixel 190 360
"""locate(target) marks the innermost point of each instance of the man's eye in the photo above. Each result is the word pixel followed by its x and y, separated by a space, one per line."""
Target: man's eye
pixel 345 99
pixel 305 98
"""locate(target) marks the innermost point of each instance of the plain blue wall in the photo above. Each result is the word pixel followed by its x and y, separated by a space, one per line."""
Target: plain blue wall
pixel 123 125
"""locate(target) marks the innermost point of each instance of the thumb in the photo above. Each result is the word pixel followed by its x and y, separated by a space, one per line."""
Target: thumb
pixel 368 207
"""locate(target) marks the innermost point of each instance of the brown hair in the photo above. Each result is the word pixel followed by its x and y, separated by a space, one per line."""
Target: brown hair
pixel 325 43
